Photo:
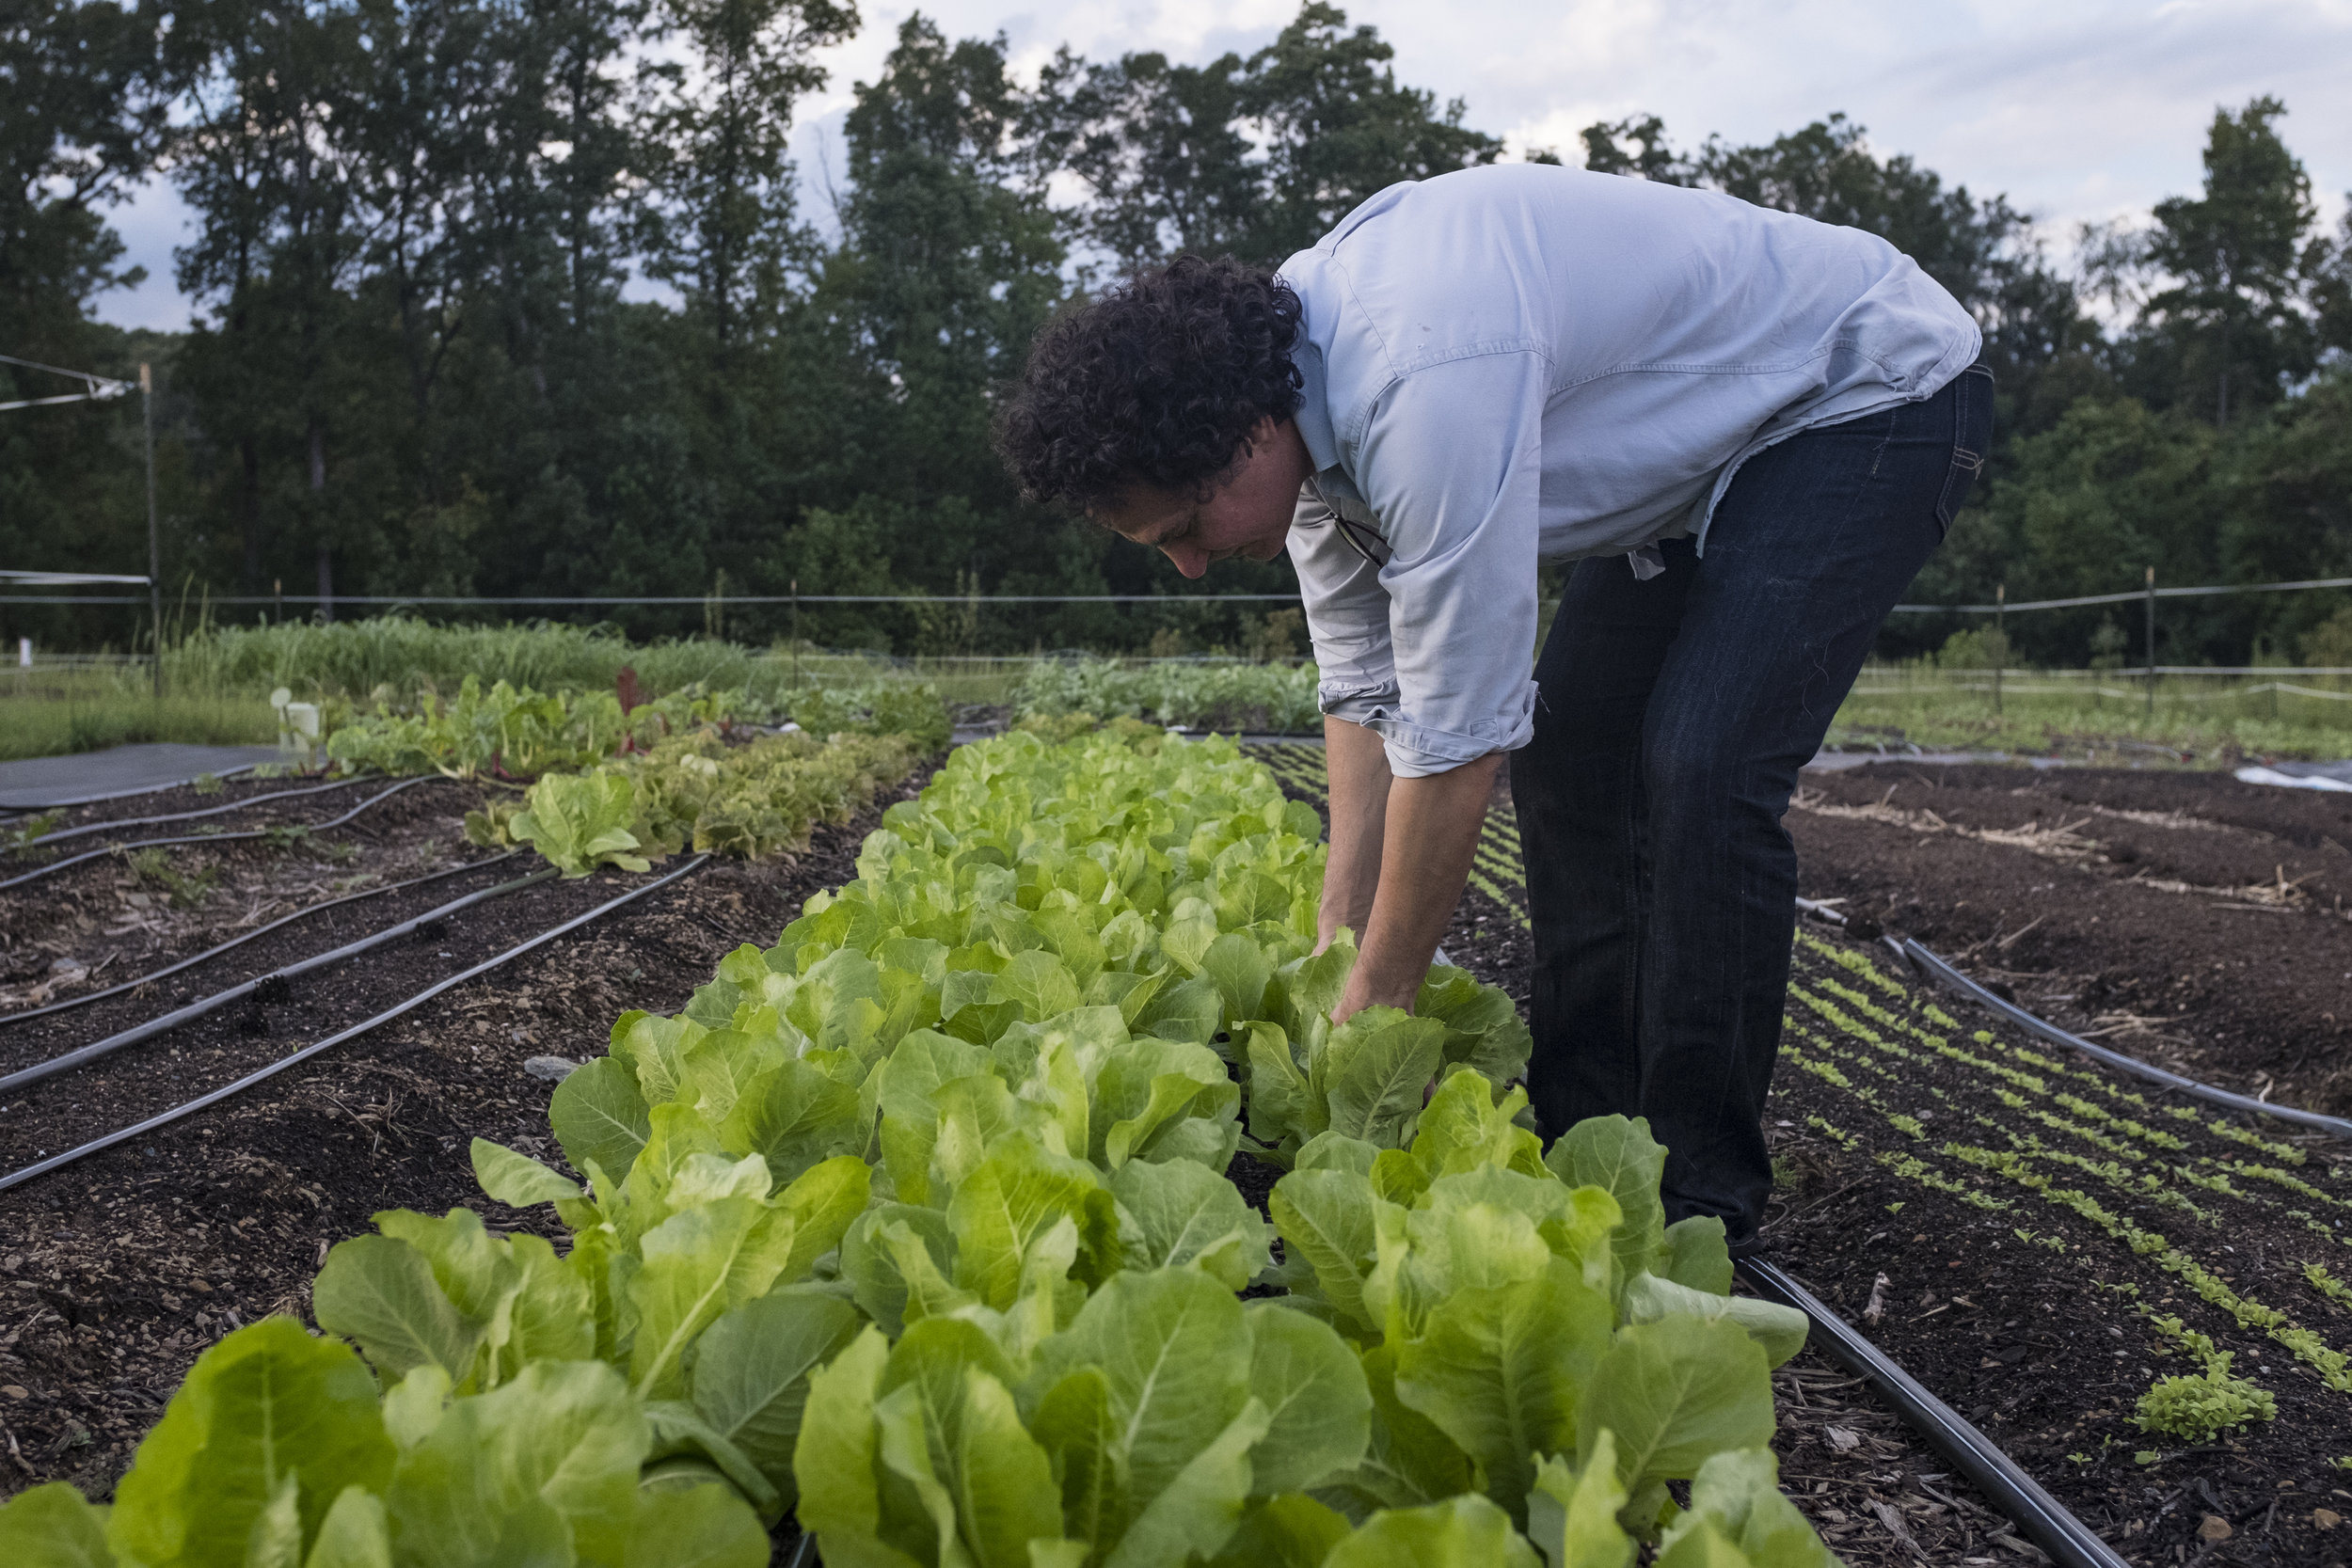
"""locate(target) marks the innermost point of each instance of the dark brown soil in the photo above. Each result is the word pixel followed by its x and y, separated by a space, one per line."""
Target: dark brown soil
pixel 117 1271
pixel 2186 917
pixel 340 797
pixel 122 916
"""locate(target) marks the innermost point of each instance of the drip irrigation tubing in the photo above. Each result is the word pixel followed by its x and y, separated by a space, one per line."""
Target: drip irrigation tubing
pixel 1942 974
pixel 2043 1519
pixel 202 1101
pixel 190 962
pixel 210 838
pixel 89 827
pixel 220 999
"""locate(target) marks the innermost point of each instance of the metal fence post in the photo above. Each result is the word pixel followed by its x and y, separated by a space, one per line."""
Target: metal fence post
pixel 2000 640
pixel 2150 603
pixel 796 633
pixel 154 537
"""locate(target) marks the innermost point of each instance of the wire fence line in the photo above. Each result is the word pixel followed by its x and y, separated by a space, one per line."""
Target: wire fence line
pixel 2031 687
pixel 1956 675
pixel 945 601
pixel 2135 596
pixel 938 601
pixel 69 579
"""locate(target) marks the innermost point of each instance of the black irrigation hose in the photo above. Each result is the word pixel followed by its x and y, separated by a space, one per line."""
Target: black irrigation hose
pixel 220 999
pixel 1942 974
pixel 211 838
pixel 2043 1519
pixel 305 914
pixel 89 827
pixel 216 1095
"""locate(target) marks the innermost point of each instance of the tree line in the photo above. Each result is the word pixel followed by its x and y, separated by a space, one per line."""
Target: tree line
pixel 417 369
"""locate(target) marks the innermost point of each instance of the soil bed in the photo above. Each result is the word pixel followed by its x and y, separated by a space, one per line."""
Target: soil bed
pixel 2187 918
pixel 178 797
pixel 2190 920
pixel 2016 1228
pixel 91 925
pixel 116 1272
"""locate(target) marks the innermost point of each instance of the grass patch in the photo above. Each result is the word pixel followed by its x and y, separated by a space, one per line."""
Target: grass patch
pixel 49 727
pixel 2218 720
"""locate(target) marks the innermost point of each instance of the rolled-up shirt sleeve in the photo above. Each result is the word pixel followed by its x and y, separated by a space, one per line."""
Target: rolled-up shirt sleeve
pixel 1451 461
pixel 1347 614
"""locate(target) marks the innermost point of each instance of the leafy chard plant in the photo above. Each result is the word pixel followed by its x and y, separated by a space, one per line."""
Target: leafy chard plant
pixel 755 801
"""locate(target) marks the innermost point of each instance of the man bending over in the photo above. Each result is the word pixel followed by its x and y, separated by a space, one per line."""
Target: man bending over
pixel 1748 430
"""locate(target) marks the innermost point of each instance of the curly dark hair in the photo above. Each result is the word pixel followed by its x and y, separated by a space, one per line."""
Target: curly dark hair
pixel 1159 381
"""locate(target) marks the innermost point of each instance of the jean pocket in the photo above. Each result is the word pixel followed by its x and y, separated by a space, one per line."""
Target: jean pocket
pixel 1966 465
pixel 1972 433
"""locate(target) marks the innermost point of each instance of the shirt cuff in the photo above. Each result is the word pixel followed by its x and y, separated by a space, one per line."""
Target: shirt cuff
pixel 1354 701
pixel 1417 750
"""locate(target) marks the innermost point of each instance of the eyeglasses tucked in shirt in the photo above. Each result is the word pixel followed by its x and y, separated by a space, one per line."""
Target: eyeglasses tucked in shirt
pixel 1364 541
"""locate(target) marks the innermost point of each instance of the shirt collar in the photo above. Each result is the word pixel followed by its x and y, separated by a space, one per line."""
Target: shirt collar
pixel 1314 411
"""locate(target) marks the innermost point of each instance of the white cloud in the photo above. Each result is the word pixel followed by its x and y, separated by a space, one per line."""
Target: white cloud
pixel 2080 110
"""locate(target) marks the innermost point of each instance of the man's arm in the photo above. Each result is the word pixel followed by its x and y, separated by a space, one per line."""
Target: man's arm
pixel 1358 764
pixel 1404 847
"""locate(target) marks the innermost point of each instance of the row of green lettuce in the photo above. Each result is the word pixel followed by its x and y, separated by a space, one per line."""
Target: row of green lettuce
pixel 916 1225
pixel 1223 697
pixel 517 733
pixel 692 769
pixel 695 791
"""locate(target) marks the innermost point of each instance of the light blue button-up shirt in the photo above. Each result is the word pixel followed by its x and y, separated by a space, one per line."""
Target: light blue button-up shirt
pixel 1525 363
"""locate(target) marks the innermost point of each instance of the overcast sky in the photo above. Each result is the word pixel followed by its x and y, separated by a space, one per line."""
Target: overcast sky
pixel 2077 109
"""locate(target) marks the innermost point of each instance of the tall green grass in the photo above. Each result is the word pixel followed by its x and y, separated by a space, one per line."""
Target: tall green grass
pixel 402 655
pixel 93 720
pixel 355 660
pixel 2216 720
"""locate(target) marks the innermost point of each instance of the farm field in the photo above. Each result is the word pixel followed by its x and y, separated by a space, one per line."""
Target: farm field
pixel 2036 1240
pixel 1103 929
pixel 2044 1238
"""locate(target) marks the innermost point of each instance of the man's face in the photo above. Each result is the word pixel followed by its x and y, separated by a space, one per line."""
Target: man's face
pixel 1247 515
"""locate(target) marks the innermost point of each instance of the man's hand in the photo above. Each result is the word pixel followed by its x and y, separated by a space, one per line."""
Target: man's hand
pixel 1401 851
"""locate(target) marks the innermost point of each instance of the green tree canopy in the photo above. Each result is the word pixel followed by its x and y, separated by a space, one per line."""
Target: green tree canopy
pixel 513 298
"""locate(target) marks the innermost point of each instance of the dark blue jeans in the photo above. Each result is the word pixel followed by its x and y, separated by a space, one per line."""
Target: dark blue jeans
pixel 1672 719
